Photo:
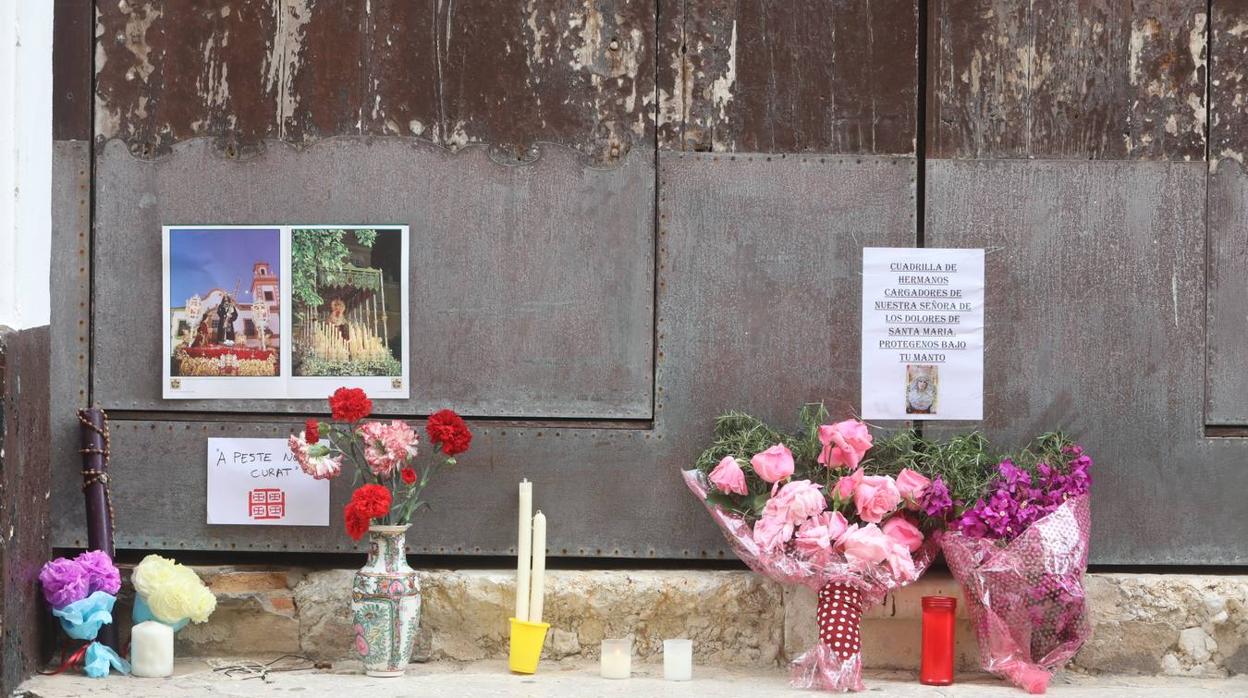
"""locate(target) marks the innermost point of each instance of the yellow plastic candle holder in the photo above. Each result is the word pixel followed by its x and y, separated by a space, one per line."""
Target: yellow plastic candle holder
pixel 527 640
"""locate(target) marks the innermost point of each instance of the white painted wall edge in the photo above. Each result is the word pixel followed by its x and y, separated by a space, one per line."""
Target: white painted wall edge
pixel 25 163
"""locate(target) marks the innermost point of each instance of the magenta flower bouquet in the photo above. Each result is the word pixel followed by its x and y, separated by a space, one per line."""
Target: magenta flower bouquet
pixel 1020 553
pixel 811 509
pixel 81 592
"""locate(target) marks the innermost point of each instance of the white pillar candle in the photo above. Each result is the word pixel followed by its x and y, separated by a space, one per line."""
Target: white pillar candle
pixel 617 658
pixel 524 550
pixel 678 660
pixel 538 582
pixel 151 650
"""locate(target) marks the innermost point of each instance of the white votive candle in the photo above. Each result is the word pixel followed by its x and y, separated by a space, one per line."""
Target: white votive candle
pixel 678 660
pixel 151 650
pixel 617 658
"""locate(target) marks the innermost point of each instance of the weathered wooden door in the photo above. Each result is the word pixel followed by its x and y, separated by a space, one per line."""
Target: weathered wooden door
pixel 631 216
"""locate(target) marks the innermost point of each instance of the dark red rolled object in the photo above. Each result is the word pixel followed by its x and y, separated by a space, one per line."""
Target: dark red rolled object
pixel 94 440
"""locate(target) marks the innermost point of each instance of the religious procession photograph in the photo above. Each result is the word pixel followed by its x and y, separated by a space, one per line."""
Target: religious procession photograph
pixel 349 316
pixel 223 298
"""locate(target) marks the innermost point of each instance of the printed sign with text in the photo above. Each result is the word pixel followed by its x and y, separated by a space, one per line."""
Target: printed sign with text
pixel 922 333
pixel 257 482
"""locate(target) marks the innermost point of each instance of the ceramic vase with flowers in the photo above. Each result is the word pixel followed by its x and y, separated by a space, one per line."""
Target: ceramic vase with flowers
pixel 385 593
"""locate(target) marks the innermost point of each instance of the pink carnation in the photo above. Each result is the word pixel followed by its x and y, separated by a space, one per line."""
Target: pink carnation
pixel 876 497
pixel 314 459
pixel 774 464
pixel 102 574
pixel 387 446
pixel 729 477
pixel 844 443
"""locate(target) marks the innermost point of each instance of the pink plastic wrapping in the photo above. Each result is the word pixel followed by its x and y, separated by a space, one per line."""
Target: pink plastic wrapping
pixel 852 588
pixel 1026 599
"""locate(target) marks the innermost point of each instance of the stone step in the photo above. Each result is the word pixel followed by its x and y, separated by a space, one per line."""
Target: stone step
pixel 579 679
pixel 1179 624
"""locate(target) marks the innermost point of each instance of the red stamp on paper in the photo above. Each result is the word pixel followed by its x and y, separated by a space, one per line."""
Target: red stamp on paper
pixel 266 503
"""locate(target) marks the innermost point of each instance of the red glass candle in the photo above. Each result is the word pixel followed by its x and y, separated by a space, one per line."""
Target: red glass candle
pixel 936 668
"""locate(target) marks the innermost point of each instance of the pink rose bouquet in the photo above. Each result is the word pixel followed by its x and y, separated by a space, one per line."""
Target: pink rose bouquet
pixel 813 509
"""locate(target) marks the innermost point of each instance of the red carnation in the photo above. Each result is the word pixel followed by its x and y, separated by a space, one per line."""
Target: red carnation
pixel 408 475
pixel 448 430
pixel 357 522
pixel 311 431
pixel 350 405
pixel 372 501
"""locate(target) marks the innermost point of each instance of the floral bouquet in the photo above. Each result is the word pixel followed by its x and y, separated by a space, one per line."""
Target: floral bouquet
pixel 812 509
pixel 383 454
pixel 1019 553
pixel 385 593
pixel 170 593
pixel 81 592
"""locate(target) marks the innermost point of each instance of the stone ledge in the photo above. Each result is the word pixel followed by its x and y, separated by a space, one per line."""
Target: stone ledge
pixel 1189 625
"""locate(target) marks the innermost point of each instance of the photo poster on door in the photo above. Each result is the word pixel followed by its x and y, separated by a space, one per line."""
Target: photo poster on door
pixel 256 482
pixel 922 333
pixel 284 311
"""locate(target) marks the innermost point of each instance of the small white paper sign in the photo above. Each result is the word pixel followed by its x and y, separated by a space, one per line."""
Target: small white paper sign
pixel 922 333
pixel 256 482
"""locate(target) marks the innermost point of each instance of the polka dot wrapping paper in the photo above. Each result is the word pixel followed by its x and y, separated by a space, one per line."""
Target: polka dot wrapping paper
pixel 845 590
pixel 840 619
pixel 1026 598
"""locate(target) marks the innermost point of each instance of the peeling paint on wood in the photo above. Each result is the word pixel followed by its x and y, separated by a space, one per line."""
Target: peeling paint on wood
pixel 1228 88
pixel 455 72
pixel 804 76
pixel 1226 379
pixel 167 71
pixel 1061 79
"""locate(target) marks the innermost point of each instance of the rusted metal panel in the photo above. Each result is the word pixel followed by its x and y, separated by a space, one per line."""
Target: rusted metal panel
pixel 760 276
pixel 1098 79
pixel 1094 319
pixel 537 278
pixel 24 482
pixel 467 518
pixel 70 332
pixel 73 33
pixel 806 76
pixel 756 253
pixel 1227 372
pixel 474 71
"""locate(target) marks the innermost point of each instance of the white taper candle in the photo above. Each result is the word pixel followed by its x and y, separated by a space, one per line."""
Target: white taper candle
pixel 538 593
pixel 524 550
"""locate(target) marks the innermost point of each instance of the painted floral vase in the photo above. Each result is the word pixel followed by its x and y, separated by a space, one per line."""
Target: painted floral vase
pixel 385 604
